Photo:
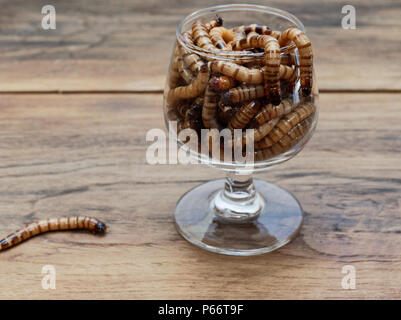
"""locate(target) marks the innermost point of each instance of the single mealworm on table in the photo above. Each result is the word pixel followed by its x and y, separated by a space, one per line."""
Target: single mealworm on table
pixel 286 142
pixel 271 111
pixel 286 124
pixel 305 56
pixel 192 90
pixel 243 92
pixel 54 224
pixel 271 74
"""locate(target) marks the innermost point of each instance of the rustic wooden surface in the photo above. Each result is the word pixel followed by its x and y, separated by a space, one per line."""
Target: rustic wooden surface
pixel 100 46
pixel 84 153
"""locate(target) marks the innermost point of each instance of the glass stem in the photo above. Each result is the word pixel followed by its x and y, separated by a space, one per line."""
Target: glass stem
pixel 238 202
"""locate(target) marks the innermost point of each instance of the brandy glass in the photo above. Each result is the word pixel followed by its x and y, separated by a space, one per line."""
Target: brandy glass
pixel 238 215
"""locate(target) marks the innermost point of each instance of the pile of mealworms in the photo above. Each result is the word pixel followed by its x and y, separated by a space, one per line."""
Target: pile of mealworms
pixel 210 87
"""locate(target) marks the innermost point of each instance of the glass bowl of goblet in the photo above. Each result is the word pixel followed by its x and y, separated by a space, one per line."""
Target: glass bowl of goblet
pixel 241 97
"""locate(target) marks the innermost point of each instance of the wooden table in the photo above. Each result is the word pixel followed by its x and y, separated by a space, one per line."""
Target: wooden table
pixel 76 103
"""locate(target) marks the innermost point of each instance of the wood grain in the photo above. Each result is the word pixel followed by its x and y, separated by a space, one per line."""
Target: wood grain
pixel 126 45
pixel 68 155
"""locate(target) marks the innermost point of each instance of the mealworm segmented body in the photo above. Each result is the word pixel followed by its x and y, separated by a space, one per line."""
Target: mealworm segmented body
pixel 194 89
pixel 286 124
pixel 185 73
pixel 254 28
pixel 272 65
pixel 240 73
pixel 244 92
pixel 220 37
pixel 191 115
pixel 305 56
pixel 214 23
pixel 271 111
pixel 209 110
pixel 221 83
pixel 242 117
pixel 174 77
pixel 191 60
pixel 286 142
pixel 250 75
pixel 54 224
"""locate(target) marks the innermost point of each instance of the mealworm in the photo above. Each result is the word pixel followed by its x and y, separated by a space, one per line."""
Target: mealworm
pixel 214 23
pixel 185 73
pixel 191 60
pixel 286 142
pixel 286 124
pixel 191 115
pixel 221 36
pixel 200 33
pixel 174 76
pixel 54 224
pixel 209 110
pixel 242 117
pixel 249 75
pixel 194 89
pixel 270 111
pixel 254 28
pixel 305 56
pixel 240 73
pixel 259 132
pixel 220 83
pixel 271 74
pixel 225 113
pixel 243 92
pixel 264 129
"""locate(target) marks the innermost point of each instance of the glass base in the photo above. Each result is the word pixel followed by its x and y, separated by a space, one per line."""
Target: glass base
pixel 278 222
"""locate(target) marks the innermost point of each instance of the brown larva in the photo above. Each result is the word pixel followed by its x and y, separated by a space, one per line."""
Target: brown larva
pixel 214 23
pixel 305 56
pixel 286 124
pixel 54 224
pixel 220 36
pixel 242 117
pixel 194 89
pixel 272 57
pixel 209 110
pixel 254 28
pixel 286 142
pixel 200 33
pixel 249 75
pixel 244 92
pixel 271 111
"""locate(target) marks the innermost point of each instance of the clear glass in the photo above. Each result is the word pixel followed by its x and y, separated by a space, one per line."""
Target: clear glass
pixel 237 215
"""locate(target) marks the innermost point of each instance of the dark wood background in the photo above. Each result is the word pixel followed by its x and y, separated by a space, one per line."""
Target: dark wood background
pixel 76 103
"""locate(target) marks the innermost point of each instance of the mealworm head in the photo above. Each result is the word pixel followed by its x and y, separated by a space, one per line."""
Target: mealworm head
pixel 306 91
pixel 203 68
pixel 100 227
pixel 219 20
